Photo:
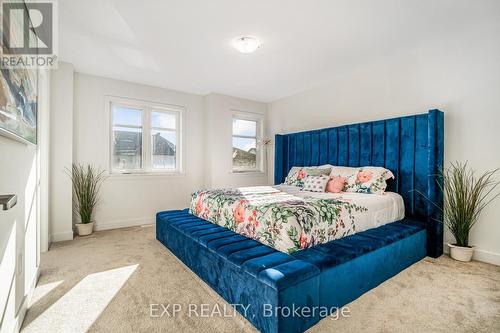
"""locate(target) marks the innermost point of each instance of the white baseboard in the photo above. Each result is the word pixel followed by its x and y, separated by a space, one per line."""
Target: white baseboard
pixel 61 236
pixel 481 255
pixel 106 225
pixel 487 256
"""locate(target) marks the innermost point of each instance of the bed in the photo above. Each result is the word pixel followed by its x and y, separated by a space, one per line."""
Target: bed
pixel 289 219
pixel 322 276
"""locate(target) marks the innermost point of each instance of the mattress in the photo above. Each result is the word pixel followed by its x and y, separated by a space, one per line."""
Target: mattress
pixel 288 219
pixel 381 209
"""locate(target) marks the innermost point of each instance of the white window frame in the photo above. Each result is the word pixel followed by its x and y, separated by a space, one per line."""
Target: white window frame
pixel 147 108
pixel 259 119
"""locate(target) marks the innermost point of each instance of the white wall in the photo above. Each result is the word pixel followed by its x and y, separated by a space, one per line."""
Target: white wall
pixel 61 153
pixel 218 141
pixel 134 199
pixel 459 75
pixel 19 226
pixel 128 200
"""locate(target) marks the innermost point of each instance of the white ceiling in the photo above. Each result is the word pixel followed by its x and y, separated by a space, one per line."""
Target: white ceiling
pixel 186 44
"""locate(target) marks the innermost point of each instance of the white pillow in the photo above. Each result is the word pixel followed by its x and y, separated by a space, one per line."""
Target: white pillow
pixel 325 166
pixel 342 171
pixel 297 175
pixel 316 183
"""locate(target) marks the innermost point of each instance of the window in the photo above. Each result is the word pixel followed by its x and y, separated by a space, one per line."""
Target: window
pixel 145 137
pixel 247 154
pixel 164 140
pixel 127 138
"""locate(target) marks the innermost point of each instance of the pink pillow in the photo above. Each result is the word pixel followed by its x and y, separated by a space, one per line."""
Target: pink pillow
pixel 336 184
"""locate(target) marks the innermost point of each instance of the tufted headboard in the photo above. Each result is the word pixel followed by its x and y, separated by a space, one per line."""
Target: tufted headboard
pixel 411 147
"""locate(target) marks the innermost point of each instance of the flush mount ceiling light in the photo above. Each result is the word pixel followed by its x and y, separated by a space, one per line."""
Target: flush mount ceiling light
pixel 247 44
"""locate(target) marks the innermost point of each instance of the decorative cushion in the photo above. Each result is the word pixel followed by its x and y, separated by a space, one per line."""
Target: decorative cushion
pixel 297 175
pixel 369 180
pixel 336 184
pixel 316 183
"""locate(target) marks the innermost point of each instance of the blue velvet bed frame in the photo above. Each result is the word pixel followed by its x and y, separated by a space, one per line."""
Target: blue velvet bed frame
pixel 266 285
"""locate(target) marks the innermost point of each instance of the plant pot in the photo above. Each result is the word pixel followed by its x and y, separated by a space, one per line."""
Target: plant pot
pixel 84 229
pixel 461 253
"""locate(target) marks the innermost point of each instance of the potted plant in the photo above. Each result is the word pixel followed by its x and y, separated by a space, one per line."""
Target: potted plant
pixel 466 195
pixel 87 182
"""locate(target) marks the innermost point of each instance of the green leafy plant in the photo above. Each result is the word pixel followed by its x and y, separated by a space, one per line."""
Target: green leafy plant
pixel 466 195
pixel 87 182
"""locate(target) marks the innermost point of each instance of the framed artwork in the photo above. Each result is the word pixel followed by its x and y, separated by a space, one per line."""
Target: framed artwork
pixel 18 97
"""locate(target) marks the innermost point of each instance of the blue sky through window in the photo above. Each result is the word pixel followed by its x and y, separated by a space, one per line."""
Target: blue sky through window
pixel 127 116
pixel 244 127
pixel 168 135
pixel 163 120
pixel 244 143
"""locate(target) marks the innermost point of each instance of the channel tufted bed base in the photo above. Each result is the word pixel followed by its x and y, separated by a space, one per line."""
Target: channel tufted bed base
pixel 266 284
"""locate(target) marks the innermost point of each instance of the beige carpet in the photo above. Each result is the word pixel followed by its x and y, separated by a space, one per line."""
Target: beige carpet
pixel 431 296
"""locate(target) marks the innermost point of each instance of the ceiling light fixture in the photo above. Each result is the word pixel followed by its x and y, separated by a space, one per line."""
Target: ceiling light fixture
pixel 247 44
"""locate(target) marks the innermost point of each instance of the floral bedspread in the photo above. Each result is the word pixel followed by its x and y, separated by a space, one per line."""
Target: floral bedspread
pixel 283 221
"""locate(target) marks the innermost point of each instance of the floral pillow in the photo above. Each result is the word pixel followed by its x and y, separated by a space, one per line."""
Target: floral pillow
pixel 336 184
pixel 316 183
pixel 370 180
pixel 297 175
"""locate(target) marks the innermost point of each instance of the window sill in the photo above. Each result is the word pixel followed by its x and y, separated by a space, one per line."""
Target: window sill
pixel 146 175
